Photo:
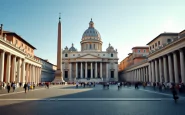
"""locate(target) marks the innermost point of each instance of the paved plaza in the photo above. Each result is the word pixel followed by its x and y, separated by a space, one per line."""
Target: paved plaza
pixel 67 100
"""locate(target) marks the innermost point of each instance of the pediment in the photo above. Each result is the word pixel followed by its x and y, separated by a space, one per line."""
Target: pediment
pixel 90 56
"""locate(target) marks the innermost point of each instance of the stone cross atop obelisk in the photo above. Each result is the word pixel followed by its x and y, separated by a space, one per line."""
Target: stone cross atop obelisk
pixel 58 73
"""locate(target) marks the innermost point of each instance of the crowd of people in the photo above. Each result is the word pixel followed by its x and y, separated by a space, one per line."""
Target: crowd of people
pixel 27 86
pixel 85 84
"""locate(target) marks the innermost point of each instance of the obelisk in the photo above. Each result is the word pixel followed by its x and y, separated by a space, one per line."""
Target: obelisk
pixel 58 73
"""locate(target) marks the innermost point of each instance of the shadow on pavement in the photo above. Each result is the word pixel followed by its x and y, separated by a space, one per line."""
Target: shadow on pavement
pixel 46 107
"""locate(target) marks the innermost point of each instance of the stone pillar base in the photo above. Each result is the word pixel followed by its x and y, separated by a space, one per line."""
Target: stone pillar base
pixel 58 77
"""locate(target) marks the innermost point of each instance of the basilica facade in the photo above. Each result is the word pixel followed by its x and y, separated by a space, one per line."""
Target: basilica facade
pixel 91 64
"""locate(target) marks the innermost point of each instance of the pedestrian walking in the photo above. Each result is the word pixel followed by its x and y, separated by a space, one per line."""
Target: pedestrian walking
pixel 25 87
pixel 174 93
pixel 118 85
pixel 28 86
pixel 8 87
pixel 13 86
pixel 154 85
pixel 33 85
pixel 77 84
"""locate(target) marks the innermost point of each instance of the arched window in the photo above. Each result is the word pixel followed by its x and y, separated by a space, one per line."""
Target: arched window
pixel 111 55
pixel 86 46
pixel 66 55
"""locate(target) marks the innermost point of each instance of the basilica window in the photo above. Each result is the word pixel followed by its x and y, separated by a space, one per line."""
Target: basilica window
pixel 66 55
pixel 86 46
pixel 138 51
pixel 103 54
pixel 94 46
pixel 111 55
pixel 73 54
pixel 90 46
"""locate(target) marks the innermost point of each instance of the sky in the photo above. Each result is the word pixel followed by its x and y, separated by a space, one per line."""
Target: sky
pixel 122 23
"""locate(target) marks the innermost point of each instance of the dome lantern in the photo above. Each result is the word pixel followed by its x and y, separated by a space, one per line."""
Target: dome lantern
pixel 91 24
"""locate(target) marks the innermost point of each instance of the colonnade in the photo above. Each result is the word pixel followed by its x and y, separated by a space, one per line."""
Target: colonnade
pixel 167 68
pixel 92 65
pixel 139 74
pixel 16 69
pixel 91 70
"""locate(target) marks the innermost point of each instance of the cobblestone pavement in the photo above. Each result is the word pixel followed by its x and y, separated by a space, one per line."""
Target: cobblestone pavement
pixel 67 100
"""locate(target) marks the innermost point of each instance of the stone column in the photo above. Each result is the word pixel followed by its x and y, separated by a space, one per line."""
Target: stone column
pixel 39 74
pixel 76 69
pixel 134 77
pixel 23 71
pixel 107 71
pixel 146 69
pixel 27 72
pixel 160 70
pixel 91 70
pixel 81 72
pixel 100 69
pixel 170 68
pixel 2 66
pixel 182 65
pixel 139 74
pixel 36 75
pixel 149 72
pixel 175 68
pixel 165 69
pixel 19 71
pixel 85 69
pixel 30 73
pixel 70 71
pixel 14 69
pixel 96 70
pixel 156 71
pixel 144 74
pixel 153 74
pixel 8 64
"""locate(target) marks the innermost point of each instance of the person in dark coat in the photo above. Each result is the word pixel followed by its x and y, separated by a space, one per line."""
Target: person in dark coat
pixel 25 87
pixel 8 87
pixel 174 93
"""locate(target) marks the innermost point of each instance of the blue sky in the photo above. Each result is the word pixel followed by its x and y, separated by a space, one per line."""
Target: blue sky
pixel 123 23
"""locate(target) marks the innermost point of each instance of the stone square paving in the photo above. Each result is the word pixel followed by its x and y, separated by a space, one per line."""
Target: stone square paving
pixel 67 100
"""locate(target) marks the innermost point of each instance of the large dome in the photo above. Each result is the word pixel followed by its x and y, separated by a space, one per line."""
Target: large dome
pixel 91 32
pixel 91 39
